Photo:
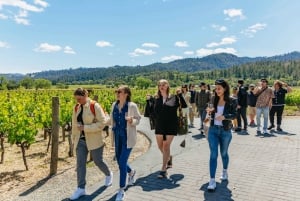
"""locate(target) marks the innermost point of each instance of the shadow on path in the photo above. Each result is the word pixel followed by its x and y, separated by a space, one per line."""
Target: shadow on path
pixel 91 196
pixel 152 183
pixel 222 192
pixel 198 136
pixel 40 183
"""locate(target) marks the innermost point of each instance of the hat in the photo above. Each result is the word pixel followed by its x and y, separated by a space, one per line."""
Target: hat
pixel 251 85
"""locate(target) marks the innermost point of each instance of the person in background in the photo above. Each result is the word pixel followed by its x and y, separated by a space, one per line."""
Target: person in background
pixel 125 117
pixel 251 101
pixel 242 106
pixel 165 109
pixel 219 133
pixel 234 97
pixel 192 101
pixel 263 104
pixel 87 136
pixel 202 99
pixel 278 103
pixel 187 111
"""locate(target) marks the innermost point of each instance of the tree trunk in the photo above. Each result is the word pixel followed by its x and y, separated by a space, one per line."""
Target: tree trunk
pixel 2 149
pixel 49 140
pixel 71 145
pixel 45 133
pixel 23 146
pixel 64 132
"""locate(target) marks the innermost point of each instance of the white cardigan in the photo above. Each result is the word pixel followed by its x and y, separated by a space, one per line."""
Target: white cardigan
pixel 133 111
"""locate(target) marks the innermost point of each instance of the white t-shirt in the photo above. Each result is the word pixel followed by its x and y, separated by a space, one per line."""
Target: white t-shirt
pixel 219 113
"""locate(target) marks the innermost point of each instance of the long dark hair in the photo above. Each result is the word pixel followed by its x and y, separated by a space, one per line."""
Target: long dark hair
pixel 226 87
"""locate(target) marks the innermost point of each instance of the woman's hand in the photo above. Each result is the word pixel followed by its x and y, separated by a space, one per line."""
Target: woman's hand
pixel 129 119
pixel 220 118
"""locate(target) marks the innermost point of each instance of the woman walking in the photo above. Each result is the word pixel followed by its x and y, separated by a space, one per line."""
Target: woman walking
pixel 278 103
pixel 223 111
pixel 88 120
pixel 165 111
pixel 187 111
pixel 125 117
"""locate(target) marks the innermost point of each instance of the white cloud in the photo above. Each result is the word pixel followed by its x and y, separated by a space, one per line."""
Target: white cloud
pixel 41 3
pixel 3 17
pixel 103 43
pixel 69 50
pixel 138 52
pixel 45 47
pixel 23 7
pixel 23 21
pixel 251 30
pixel 224 41
pixel 171 58
pixel 189 52
pixel 4 44
pixel 234 13
pixel 150 45
pixel 219 27
pixel 204 52
pixel 181 44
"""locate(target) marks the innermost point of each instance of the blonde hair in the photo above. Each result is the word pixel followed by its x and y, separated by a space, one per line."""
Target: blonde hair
pixel 163 81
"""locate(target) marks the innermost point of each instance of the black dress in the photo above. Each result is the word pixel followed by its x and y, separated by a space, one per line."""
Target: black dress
pixel 166 114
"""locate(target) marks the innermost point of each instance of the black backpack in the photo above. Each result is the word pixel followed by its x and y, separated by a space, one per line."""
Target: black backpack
pixel 251 99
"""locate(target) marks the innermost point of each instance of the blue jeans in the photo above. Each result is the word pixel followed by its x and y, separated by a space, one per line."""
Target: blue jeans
pixel 265 112
pixel 122 155
pixel 217 135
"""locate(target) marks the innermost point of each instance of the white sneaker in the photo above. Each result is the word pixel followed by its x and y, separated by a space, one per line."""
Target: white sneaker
pixel 109 179
pixel 212 185
pixel 78 193
pixel 224 175
pixel 120 195
pixel 131 178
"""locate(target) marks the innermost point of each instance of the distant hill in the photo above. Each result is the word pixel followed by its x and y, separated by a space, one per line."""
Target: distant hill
pixel 211 62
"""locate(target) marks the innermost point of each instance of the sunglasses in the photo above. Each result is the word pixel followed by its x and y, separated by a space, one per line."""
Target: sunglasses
pixel 118 91
pixel 219 81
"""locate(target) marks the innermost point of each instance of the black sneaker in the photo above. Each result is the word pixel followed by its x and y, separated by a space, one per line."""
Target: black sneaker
pixel 238 130
pixel 270 127
pixel 279 129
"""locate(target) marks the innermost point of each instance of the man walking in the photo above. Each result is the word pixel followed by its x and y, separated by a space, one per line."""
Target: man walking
pixel 242 106
pixel 264 100
pixel 202 98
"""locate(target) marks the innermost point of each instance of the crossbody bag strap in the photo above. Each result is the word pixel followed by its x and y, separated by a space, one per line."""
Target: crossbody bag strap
pixel 261 92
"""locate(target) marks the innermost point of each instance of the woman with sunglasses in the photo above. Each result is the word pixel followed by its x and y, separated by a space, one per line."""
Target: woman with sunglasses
pixel 87 128
pixel 223 111
pixel 125 117
pixel 165 111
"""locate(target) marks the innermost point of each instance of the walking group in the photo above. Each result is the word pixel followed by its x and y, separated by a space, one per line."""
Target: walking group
pixel 222 110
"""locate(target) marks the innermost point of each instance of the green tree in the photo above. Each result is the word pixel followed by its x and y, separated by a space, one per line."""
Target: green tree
pixel 143 83
pixel 3 83
pixel 42 84
pixel 27 82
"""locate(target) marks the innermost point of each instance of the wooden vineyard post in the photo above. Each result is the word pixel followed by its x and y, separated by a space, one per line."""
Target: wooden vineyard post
pixel 55 135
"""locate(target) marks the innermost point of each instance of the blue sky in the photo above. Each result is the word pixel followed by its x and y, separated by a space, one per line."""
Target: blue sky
pixel 37 35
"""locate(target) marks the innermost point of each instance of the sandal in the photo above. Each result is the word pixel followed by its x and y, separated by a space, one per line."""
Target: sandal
pixel 162 174
pixel 170 163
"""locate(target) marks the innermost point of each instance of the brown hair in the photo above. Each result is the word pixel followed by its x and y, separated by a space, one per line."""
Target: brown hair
pixel 81 92
pixel 162 81
pixel 279 83
pixel 127 91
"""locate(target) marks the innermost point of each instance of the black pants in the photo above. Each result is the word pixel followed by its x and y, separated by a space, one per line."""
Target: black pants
pixel 242 112
pixel 278 110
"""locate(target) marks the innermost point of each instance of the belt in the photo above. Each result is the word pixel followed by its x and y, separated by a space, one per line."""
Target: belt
pixel 218 126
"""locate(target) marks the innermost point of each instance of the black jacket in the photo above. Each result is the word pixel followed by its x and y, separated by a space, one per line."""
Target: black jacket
pixel 229 113
pixel 242 96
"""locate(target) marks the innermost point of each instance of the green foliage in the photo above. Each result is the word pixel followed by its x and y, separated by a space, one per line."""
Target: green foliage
pixel 42 84
pixel 143 83
pixel 27 83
